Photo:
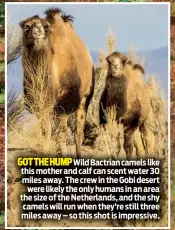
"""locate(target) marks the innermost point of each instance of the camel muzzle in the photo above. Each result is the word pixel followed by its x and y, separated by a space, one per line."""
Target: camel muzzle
pixel 38 31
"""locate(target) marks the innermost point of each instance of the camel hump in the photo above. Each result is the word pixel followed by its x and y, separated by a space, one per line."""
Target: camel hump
pixel 53 13
pixel 67 17
pixel 139 67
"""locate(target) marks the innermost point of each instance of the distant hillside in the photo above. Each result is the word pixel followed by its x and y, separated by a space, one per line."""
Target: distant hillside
pixel 156 62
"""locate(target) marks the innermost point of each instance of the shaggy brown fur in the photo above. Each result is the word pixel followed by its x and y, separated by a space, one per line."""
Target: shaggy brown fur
pixel 68 63
pixel 129 93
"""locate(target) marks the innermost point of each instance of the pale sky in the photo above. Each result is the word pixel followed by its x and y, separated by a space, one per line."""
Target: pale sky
pixel 144 25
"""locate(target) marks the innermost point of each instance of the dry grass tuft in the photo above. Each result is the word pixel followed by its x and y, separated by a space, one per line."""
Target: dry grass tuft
pixel 35 131
pixel 14 110
pixel 39 99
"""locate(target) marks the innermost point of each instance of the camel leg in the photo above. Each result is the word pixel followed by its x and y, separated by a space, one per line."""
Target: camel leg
pixel 148 139
pixel 138 143
pixel 80 121
pixel 62 133
pixel 129 141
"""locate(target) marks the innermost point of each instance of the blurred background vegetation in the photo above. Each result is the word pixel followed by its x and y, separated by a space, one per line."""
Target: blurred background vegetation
pixel 2 13
pixel 2 51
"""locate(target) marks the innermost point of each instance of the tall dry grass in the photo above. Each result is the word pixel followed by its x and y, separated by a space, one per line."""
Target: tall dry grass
pixel 35 130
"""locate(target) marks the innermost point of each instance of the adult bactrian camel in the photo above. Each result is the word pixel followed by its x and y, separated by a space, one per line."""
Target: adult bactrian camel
pixel 68 62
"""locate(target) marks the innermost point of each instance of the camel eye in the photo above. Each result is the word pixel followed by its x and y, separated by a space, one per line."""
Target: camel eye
pixel 26 27
pixel 46 27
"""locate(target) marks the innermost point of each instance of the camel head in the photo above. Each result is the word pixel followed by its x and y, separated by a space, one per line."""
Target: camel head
pixel 35 32
pixel 116 62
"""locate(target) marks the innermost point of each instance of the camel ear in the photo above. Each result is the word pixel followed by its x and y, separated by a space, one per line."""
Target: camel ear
pixel 21 24
pixel 107 59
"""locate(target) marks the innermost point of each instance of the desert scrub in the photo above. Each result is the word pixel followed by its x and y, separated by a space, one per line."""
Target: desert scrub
pixel 2 96
pixel 2 218
pixel 2 13
pixel 14 109
pixel 2 66
pixel 172 9
pixel 173 189
pixel 14 41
